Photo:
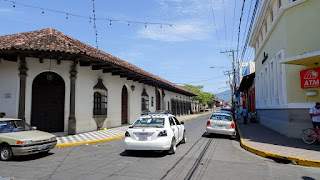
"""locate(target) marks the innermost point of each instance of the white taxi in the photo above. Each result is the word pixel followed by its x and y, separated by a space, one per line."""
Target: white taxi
pixel 221 123
pixel 155 131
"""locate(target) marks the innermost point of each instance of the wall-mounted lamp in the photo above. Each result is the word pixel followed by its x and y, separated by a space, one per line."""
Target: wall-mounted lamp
pixel 49 74
pixel 133 87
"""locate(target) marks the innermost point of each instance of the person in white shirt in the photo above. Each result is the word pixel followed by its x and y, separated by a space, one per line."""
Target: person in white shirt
pixel 315 115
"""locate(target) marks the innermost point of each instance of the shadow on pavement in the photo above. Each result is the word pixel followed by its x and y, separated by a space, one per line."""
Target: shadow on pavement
pixel 144 154
pixel 31 157
pixel 256 132
pixel 221 136
pixel 307 178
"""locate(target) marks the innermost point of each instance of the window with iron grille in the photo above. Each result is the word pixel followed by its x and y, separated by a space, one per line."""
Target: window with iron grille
pixel 100 99
pixel 144 100
pixel 100 104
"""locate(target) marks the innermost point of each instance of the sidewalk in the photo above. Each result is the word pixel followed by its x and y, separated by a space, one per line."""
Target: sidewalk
pixel 265 142
pixel 100 136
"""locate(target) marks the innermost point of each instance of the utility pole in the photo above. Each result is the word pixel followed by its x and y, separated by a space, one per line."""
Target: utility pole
pixel 230 83
pixel 234 77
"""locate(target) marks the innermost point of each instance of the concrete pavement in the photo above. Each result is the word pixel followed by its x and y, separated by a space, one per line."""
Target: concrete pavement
pixel 265 142
pixel 100 136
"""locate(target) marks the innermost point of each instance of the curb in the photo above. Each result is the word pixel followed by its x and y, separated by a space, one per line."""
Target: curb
pixel 110 138
pixel 266 154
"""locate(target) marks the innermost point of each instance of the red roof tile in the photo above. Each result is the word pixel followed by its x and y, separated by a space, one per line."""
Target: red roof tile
pixel 54 41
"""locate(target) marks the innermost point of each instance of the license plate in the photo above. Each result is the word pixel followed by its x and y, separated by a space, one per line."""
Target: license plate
pixel 220 127
pixel 143 136
pixel 42 147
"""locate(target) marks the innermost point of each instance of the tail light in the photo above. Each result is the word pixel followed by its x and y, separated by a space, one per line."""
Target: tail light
pixel 232 125
pixel 208 123
pixel 163 133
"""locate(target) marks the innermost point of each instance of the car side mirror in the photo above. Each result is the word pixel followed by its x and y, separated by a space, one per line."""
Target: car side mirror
pixel 34 127
pixel 182 122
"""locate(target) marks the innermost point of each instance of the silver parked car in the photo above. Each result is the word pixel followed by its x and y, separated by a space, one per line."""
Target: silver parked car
pixel 221 123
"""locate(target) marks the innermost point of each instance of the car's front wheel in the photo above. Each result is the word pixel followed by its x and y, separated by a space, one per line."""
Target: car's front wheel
pixel 5 153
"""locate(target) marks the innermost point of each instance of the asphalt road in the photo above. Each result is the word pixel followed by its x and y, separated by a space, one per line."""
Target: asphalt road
pixel 217 157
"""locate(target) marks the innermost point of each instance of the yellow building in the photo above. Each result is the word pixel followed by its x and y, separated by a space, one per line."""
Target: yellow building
pixel 286 41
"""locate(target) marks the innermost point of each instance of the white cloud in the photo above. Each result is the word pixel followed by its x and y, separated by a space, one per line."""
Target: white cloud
pixel 179 32
pixel 131 56
pixel 189 7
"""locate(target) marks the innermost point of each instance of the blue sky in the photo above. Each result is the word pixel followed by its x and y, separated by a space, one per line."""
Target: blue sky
pixel 182 53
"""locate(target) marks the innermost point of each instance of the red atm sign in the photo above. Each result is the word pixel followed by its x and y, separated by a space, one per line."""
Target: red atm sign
pixel 310 78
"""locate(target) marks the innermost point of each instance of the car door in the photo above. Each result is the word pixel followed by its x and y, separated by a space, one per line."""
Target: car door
pixel 180 128
pixel 174 128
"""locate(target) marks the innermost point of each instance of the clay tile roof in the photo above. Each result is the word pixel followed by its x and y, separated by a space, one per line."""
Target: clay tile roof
pixel 51 40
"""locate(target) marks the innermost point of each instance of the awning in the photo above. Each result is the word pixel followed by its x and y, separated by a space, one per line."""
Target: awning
pixel 307 59
pixel 247 82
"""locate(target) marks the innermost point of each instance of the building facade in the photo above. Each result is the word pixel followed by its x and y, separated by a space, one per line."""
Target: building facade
pixel 286 41
pixel 60 84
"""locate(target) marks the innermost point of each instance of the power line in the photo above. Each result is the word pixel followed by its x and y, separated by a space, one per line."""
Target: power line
pixel 94 22
pixel 89 18
pixel 247 21
pixel 240 27
pixel 250 28
pixel 214 22
pixel 224 21
pixel 201 80
pixel 234 16
pixel 86 17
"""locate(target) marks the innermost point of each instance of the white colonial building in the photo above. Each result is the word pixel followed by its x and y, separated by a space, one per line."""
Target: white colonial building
pixel 60 84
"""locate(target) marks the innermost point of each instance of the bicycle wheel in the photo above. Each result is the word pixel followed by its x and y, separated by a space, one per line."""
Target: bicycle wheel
pixel 308 136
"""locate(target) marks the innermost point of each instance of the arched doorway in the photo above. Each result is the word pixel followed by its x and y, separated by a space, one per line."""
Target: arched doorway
pixel 158 100
pixel 124 105
pixel 48 97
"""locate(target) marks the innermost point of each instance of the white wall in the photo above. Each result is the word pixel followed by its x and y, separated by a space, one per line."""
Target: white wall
pixel 9 88
pixel 35 68
pixel 86 80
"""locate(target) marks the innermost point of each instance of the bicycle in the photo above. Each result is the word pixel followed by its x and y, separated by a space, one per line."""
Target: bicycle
pixel 310 135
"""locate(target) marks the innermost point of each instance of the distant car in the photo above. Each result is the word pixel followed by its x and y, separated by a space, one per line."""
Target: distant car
pixel 221 123
pixel 223 111
pixel 226 109
pixel 155 131
pixel 18 138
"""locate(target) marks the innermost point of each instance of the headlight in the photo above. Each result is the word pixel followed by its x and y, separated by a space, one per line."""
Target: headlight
pixel 25 142
pixel 53 139
pixel 163 133
pixel 127 134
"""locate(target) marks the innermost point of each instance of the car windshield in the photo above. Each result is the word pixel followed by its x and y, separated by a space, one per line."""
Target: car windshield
pixel 149 122
pixel 14 126
pixel 220 117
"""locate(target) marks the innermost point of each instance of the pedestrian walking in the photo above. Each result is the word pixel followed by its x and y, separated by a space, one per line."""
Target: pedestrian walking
pixel 244 114
pixel 315 115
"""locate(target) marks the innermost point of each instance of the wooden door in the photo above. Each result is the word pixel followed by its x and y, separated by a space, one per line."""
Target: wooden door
pixel 48 97
pixel 158 102
pixel 124 105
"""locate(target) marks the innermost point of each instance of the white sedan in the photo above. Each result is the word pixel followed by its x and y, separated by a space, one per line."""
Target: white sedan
pixel 221 123
pixel 157 132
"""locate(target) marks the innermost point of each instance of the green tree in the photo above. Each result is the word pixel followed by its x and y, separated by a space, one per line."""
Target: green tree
pixel 203 97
